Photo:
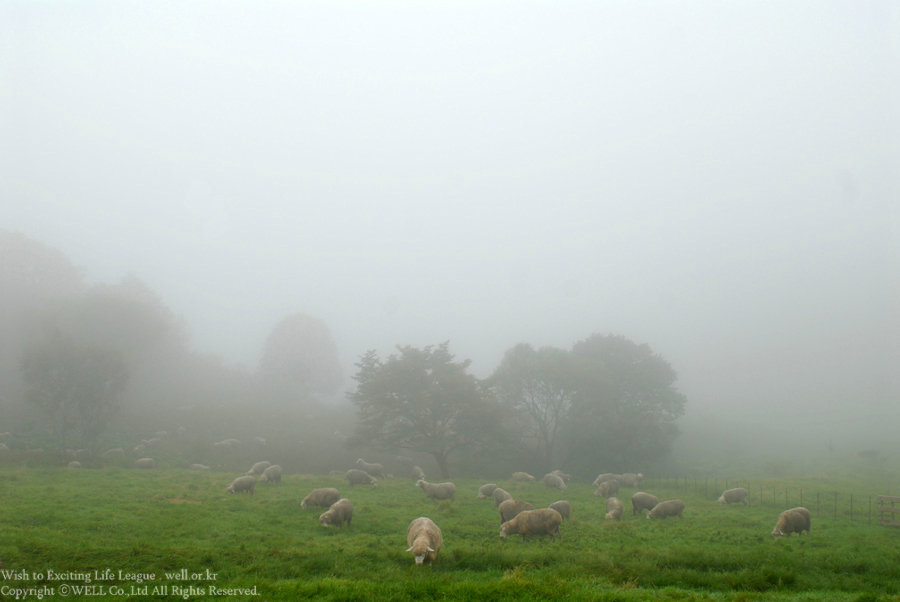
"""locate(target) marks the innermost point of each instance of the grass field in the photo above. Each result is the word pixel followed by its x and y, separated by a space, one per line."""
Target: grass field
pixel 162 521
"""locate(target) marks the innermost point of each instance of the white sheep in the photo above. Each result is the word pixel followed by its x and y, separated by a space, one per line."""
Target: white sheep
pixel 614 508
pixel 641 501
pixel 438 491
pixel 337 473
pixel 486 491
pixel 145 463
pixel 139 449
pixel 551 481
pixel 632 480
pixel 667 509
pixel 563 507
pixel 607 488
pixel 418 473
pixel 510 508
pixel 258 468
pixel 523 477
pixel 74 464
pixel 607 476
pixel 500 496
pixel 565 477
pixel 245 483
pixel 198 467
pixel 734 496
pixel 154 442
pixel 545 521
pixel 339 513
pixel 272 474
pixel 323 497
pixel 376 470
pixel 114 454
pixel 359 477
pixel 796 520
pixel 424 539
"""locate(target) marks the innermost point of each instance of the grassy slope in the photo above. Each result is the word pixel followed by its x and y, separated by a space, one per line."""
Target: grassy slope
pixel 164 520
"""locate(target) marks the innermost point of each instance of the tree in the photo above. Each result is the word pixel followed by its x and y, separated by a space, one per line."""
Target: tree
pixel 421 400
pixel 631 418
pixel 77 386
pixel 301 352
pixel 539 389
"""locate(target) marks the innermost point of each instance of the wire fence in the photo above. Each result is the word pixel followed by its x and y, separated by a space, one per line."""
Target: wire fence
pixel 854 507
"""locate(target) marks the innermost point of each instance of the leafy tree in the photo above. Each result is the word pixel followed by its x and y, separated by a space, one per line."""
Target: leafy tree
pixel 76 386
pixel 540 388
pixel 301 352
pixel 631 419
pixel 421 400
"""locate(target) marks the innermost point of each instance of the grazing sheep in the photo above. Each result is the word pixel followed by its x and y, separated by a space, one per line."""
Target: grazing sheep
pixel 418 473
pixel 614 508
pixel 198 467
pixel 152 442
pixel 500 496
pixel 486 491
pixel 145 463
pixel 272 474
pixel 424 539
pixel 139 449
pixel 667 509
pixel 545 521
pixel 74 464
pixel 376 470
pixel 607 489
pixel 734 496
pixel 324 497
pixel 114 454
pixel 359 477
pixel 245 483
pixel 335 473
pixel 510 508
pixel 641 501
pixel 259 468
pixel 523 477
pixel 607 476
pixel 565 477
pixel 339 513
pixel 438 491
pixel 632 480
pixel 563 507
pixel 551 481
pixel 796 520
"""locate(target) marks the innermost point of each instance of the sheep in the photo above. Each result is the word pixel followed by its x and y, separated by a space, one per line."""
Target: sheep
pixel 565 477
pixel 667 509
pixel 510 508
pixel 232 442
pixel 272 474
pixel 154 442
pixel 359 477
pixel 607 476
pixel 323 497
pixel 607 488
pixel 486 491
pixel 796 520
pixel 259 441
pixel 418 473
pixel 424 539
pixel 523 477
pixel 734 496
pixel 199 467
pixel 376 470
pixel 632 480
pixel 114 454
pixel 245 483
pixel 145 463
pixel 563 507
pixel 258 468
pixel 335 473
pixel 438 491
pixel 545 521
pixel 339 513
pixel 641 501
pixel 614 508
pixel 500 496
pixel 74 464
pixel 139 449
pixel 551 481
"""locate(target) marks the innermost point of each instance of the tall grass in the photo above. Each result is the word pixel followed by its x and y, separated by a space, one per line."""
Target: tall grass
pixel 165 520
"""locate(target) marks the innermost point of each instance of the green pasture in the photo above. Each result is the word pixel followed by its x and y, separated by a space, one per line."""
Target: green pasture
pixel 165 520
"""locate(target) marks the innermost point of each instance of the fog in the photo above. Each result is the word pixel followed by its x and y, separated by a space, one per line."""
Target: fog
pixel 719 181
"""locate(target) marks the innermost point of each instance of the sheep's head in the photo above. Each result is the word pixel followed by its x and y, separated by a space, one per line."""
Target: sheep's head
pixel 420 483
pixel 324 520
pixel 503 531
pixel 303 504
pixel 420 550
pixel 776 532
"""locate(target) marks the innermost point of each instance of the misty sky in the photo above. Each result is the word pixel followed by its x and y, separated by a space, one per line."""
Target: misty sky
pixel 716 179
